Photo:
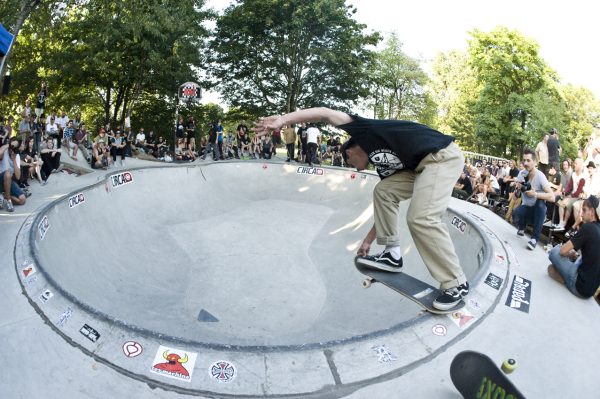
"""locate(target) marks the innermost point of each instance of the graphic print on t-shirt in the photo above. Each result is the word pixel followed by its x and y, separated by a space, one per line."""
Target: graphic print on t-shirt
pixel 386 162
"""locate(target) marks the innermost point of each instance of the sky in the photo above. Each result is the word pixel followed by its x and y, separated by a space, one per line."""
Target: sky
pixel 566 31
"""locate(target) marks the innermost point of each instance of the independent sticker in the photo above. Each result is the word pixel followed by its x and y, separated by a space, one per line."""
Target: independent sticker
pixel 222 371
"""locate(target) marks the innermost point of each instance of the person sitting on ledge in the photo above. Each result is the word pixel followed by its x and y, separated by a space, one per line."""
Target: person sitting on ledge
pixel 580 273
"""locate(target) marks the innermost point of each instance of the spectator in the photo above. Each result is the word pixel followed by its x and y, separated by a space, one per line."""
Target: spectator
pixel 53 131
pixel 211 145
pixel 41 101
pixel 180 128
pixel 554 179
pixel 182 153
pixel 255 147
pixel 161 148
pixel 81 141
pixel 502 174
pixel 99 156
pixel 68 133
pixel 140 140
pixel 117 147
pixel 573 192
pixel 8 128
pixel 591 187
pixel 485 186
pixel 31 160
pixel 541 154
pixel 151 143
pixel 231 149
pixel 303 144
pixel 190 129
pixel 266 147
pixel 580 273
pixel 312 138
pixel 10 166
pixel 220 139
pixel 243 139
pixel 3 135
pixel 62 120
pixel 25 125
pixel 554 149
pixel 535 192
pixel 276 139
pixel 51 160
pixel 511 179
pixel 289 136
pixel 462 188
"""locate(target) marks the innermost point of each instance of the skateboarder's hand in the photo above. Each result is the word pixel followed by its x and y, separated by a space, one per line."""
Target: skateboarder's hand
pixel 264 125
pixel 364 249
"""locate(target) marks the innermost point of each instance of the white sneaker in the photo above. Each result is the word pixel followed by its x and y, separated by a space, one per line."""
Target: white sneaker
pixel 8 206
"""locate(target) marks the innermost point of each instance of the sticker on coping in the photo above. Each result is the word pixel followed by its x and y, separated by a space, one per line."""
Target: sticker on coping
pixel 309 170
pixel 132 349
pixel 174 363
pixel 264 166
pixel 474 304
pixel 64 317
pixel 43 227
pixel 363 176
pixel 121 179
pixel 385 356
pixel 500 259
pixel 353 176
pixel 106 187
pixel 30 281
pixel 90 333
pixel 76 200
pixel 440 330
pixel 519 296
pixel 494 281
pixel 222 371
pixel 28 270
pixel 460 224
pixel 46 295
pixel 462 318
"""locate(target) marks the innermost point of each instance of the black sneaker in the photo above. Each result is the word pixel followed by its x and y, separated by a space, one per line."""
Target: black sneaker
pixel 451 297
pixel 520 233
pixel 383 261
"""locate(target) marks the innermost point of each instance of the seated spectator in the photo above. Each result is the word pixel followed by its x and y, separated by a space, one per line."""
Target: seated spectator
pixel 99 156
pixel 150 144
pixel 53 131
pixel 266 144
pixel 573 193
pixel 255 147
pixel 591 187
pixel 231 149
pixel 10 166
pixel 117 147
pixel 243 140
pixel 81 141
pixel 462 188
pixel 140 140
pixel 190 131
pixel 68 143
pixel 580 273
pixel 556 186
pixel 161 148
pixel 535 192
pixel 509 181
pixel 487 185
pixel 51 160
pixel 182 153
pixel 31 161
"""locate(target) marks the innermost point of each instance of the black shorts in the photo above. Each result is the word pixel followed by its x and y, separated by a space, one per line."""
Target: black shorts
pixel 276 140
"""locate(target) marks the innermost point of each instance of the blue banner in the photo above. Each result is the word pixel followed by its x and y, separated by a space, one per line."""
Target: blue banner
pixel 6 39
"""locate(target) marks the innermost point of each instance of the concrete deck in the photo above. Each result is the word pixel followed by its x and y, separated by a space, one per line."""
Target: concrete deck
pixel 251 263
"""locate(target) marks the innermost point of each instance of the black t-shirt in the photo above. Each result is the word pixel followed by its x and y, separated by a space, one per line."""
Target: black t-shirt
pixel 468 188
pixel 514 172
pixel 588 276
pixel 553 147
pixel 151 139
pixel 41 100
pixel 394 145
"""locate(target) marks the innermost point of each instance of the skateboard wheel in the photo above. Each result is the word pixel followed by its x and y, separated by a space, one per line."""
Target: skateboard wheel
pixel 367 282
pixel 509 366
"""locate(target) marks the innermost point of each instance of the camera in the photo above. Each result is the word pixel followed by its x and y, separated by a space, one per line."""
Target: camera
pixel 526 186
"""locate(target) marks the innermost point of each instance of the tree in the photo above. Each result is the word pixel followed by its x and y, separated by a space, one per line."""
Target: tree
pixel 398 85
pixel 455 90
pixel 582 114
pixel 279 55
pixel 510 72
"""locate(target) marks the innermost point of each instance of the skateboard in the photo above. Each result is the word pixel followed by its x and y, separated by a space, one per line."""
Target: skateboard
pixel 414 289
pixel 475 375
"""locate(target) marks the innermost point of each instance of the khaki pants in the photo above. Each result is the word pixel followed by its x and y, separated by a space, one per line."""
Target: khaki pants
pixel 430 187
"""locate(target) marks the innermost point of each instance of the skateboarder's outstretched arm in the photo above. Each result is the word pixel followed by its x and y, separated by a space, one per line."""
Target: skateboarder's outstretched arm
pixel 320 114
pixel 365 247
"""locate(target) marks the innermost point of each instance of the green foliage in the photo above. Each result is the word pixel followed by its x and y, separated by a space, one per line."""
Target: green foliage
pixel 279 55
pixel 581 115
pixel 455 91
pixel 398 85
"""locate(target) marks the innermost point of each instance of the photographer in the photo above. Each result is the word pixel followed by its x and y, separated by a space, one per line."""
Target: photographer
pixel 11 165
pixel 535 191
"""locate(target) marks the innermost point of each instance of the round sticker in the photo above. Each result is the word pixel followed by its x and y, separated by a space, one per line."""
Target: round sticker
pixel 439 330
pixel 132 349
pixel 222 371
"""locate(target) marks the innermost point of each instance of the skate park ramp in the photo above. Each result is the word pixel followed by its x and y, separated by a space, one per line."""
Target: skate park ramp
pixel 248 261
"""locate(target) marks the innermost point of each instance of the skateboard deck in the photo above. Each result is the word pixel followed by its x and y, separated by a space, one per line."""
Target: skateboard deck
pixel 412 288
pixel 475 375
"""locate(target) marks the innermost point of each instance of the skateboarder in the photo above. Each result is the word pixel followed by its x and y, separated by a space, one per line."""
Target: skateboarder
pixel 413 161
